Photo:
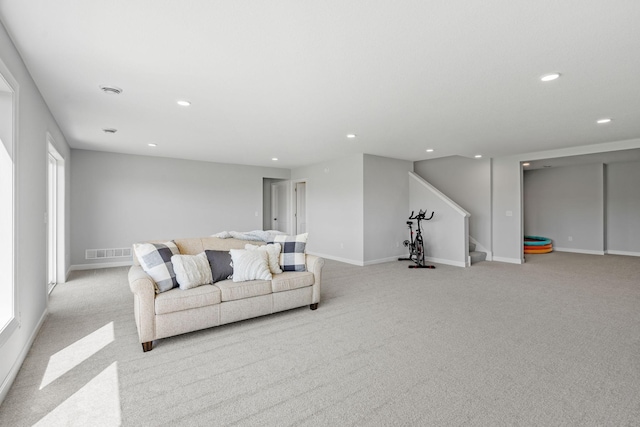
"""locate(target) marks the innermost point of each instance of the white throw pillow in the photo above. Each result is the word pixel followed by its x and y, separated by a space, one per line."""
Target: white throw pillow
pixel 273 253
pixel 250 265
pixel 192 270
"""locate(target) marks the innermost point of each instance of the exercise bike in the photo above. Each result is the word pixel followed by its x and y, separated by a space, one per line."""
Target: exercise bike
pixel 416 244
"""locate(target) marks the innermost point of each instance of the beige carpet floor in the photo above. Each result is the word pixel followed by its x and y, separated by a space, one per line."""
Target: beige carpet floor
pixel 555 341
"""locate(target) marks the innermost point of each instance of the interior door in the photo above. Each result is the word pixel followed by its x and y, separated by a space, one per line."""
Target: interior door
pixel 280 206
pixel 301 207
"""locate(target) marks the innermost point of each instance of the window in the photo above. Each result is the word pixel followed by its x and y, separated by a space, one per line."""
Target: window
pixel 8 294
pixel 6 237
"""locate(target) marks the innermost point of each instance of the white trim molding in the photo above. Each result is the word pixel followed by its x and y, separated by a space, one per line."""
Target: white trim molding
pixel 13 372
pixel 626 253
pixel 76 267
pixel 508 260
pixel 578 251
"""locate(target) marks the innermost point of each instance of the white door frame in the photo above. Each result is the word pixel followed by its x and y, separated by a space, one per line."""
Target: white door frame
pixel 55 216
pixel 296 204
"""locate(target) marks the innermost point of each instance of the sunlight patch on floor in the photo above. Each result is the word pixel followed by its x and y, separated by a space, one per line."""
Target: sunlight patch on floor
pixel 76 353
pixel 97 403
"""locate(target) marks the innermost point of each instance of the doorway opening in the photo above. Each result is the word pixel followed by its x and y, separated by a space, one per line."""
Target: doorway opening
pixel 285 205
pixel 55 216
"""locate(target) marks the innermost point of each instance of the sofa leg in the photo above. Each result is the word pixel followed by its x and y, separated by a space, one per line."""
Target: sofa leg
pixel 147 346
pixel 313 306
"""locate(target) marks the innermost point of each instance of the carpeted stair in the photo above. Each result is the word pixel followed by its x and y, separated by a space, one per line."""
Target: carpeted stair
pixel 476 256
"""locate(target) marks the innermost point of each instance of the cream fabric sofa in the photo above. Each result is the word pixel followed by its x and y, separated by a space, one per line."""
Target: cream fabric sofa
pixel 179 311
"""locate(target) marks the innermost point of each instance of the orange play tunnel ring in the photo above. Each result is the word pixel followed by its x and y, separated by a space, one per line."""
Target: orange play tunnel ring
pixel 537 245
pixel 537 250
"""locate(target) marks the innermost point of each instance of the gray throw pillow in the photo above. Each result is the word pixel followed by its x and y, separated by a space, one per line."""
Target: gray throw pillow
pixel 220 262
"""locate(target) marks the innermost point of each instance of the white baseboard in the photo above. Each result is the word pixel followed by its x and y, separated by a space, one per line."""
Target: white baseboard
pixel 578 251
pixel 383 260
pixel 446 261
pixel 509 260
pixel 334 258
pixel 627 253
pixel 99 265
pixel 11 376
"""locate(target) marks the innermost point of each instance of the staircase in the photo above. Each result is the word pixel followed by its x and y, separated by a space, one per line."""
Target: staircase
pixel 476 256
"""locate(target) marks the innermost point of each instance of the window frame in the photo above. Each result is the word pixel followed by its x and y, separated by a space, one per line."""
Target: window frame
pixel 7 330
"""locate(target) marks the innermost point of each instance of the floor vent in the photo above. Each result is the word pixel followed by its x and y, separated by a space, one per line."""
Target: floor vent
pixel 108 253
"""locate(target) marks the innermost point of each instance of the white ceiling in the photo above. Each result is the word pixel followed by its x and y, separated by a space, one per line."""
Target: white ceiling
pixel 289 79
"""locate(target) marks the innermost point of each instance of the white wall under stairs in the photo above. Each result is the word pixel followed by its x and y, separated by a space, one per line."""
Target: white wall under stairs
pixel 446 235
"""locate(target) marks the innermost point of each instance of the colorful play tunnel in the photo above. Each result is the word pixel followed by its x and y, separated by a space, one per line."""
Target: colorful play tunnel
pixel 537 245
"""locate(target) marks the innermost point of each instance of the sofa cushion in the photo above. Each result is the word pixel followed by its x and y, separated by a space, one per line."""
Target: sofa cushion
pixel 250 265
pixel 155 259
pixel 292 256
pixel 290 280
pixel 273 252
pixel 178 300
pixel 231 291
pixel 191 270
pixel 217 244
pixel 189 246
pixel 220 263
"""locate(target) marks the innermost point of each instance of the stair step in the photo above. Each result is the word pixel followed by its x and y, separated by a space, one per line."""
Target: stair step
pixel 472 247
pixel 477 256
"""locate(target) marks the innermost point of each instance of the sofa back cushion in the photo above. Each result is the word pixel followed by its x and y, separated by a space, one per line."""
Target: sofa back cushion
pixel 196 245
pixel 217 244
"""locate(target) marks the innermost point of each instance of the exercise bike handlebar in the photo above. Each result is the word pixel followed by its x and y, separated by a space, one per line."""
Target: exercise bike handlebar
pixel 421 215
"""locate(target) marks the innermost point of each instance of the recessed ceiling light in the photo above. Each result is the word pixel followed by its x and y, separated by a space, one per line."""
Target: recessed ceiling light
pixel 275 159
pixel 183 103
pixel 604 121
pixel 109 130
pixel 550 77
pixel 151 144
pixel 351 135
pixel 113 90
pixel 429 150
pixel 526 164
pixel 477 156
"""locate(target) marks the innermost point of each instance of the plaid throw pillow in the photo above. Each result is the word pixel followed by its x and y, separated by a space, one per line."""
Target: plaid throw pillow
pixel 292 256
pixel 155 259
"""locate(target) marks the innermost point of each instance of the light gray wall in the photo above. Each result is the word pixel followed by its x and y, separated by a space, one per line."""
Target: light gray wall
pixel 507 189
pixel 566 203
pixel 335 207
pixel 468 183
pixel 34 121
pixel 506 186
pixel 120 199
pixel 623 207
pixel 446 234
pixel 386 207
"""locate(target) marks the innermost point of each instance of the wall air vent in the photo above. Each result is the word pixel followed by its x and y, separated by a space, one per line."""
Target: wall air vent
pixel 111 90
pixel 107 253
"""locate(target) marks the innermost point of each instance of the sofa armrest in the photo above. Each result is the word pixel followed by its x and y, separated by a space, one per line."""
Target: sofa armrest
pixel 314 265
pixel 144 293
